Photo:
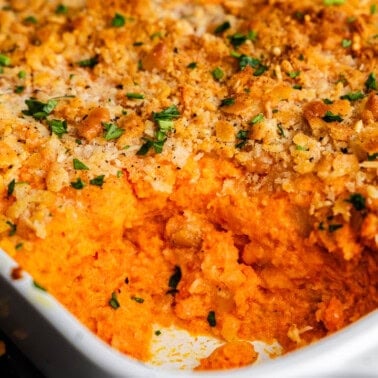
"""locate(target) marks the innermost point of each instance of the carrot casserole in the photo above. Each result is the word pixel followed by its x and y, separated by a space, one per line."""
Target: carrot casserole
pixel 209 164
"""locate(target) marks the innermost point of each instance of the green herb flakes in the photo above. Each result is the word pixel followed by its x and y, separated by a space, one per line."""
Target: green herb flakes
pixel 353 96
pixel 112 131
pixel 11 187
pixel 333 2
pixel 174 280
pixel 371 82
pixel 358 201
pixel 330 117
pixel 157 332
pixel 334 227
pixel 61 9
pixel 90 62
pixel 217 73
pixel 79 166
pixel 39 286
pixel 12 228
pixel 242 135
pixel 113 301
pixel 346 43
pixel 97 181
pixel 19 89
pixel 192 65
pixel 5 60
pixel 211 319
pixel 39 110
pixel 78 184
pixel 118 20
pixel 293 74
pixel 222 27
pixel 57 126
pixel 227 101
pixel 137 299
pixel 135 96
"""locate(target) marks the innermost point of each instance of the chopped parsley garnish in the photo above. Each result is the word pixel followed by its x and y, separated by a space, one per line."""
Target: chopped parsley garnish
pixel 353 96
pixel 174 280
pixel 112 131
pixel 168 114
pixel 136 96
pixel 373 9
pixel 346 43
pixel 138 43
pixel 137 299
pixel 113 301
pixel 11 187
pixel 252 35
pixel 57 126
pixel 242 135
pixel 222 27
pixel 211 319
pixel 371 82
pixel 372 157
pixel 237 39
pixel 90 62
pixel 19 89
pixel 257 119
pixel 79 165
pixel 298 147
pixel 227 101
pixel 4 60
pixel 18 246
pixel 21 74
pixel 333 2
pixel 358 201
pixel 97 181
pixel 78 184
pixel 330 117
pixel 217 73
pixel 280 130
pixel 39 286
pixel 192 65
pixel 164 121
pixel 12 228
pixel 118 20
pixel 39 110
pixel 297 87
pixel 61 9
pixel 334 227
pixel 293 74
pixel 245 60
pixel 327 101
pixel 30 20
pixel 158 332
pixel 156 35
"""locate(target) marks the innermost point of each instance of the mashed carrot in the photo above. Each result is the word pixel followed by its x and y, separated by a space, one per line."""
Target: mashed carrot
pixel 211 166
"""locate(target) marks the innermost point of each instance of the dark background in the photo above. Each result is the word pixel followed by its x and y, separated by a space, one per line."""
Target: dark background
pixel 13 364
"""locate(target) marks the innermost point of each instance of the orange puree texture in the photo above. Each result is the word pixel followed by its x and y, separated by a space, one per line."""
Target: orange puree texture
pixel 210 165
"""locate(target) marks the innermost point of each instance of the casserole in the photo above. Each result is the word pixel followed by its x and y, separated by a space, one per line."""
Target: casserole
pixel 208 165
pixel 60 346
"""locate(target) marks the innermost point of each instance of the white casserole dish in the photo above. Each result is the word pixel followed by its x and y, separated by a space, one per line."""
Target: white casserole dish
pixel 62 347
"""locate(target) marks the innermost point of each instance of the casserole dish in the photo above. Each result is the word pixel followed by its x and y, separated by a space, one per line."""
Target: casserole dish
pixel 60 346
pixel 209 165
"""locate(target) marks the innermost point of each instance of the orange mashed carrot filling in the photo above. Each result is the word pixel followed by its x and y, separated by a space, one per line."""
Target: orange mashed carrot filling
pixel 211 166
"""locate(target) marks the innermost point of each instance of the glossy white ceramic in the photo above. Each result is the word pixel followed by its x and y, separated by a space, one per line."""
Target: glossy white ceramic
pixel 61 347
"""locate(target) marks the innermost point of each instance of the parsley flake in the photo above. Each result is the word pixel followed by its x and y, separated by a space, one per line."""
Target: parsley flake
pixel 39 286
pixel 242 135
pixel 61 9
pixel 333 2
pixel 358 201
pixel 39 110
pixel 137 299
pixel 334 227
pixel 118 20
pixel 136 96
pixel 192 65
pixel 353 96
pixel 371 82
pixel 174 280
pixel 97 181
pixel 211 319
pixel 79 166
pixel 227 101
pixel 78 184
pixel 90 62
pixel 222 27
pixel 5 60
pixel 57 126
pixel 257 119
pixel 12 228
pixel 330 117
pixel 113 301
pixel 217 73
pixel 11 187
pixel 112 131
